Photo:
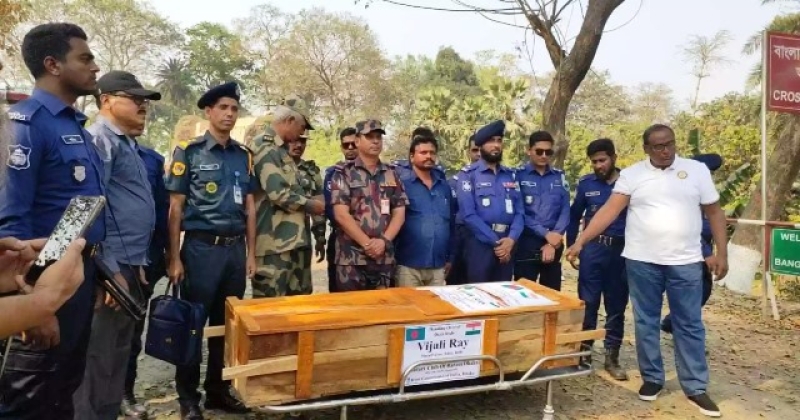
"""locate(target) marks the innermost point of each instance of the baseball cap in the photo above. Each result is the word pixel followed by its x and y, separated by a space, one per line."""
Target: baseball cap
pixel 122 81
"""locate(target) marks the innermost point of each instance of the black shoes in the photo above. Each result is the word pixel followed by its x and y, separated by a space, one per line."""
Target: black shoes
pixel 705 404
pixel 612 365
pixel 131 409
pixel 649 391
pixel 191 412
pixel 225 401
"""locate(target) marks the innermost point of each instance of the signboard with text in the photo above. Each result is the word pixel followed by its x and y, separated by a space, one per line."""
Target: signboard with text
pixel 785 252
pixel 783 72
pixel 443 341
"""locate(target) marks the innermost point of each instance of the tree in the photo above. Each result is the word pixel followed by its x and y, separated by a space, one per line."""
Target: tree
pixel 543 17
pixel 13 12
pixel 455 73
pixel 215 55
pixel 176 83
pixel 704 54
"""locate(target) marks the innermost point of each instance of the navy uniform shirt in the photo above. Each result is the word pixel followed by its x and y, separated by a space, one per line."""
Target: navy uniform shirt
pixel 546 200
pixel 425 240
pixel 52 161
pixel 154 165
pixel 130 210
pixel 489 203
pixel 210 175
pixel 592 192
pixel 453 182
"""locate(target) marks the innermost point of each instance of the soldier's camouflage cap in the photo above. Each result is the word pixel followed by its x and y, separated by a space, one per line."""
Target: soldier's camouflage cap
pixel 299 105
pixel 368 126
pixel 304 135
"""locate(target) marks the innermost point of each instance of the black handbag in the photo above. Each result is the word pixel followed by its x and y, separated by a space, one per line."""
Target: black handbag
pixel 175 329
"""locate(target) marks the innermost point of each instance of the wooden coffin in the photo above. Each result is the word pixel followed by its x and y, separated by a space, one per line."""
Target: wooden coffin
pixel 279 350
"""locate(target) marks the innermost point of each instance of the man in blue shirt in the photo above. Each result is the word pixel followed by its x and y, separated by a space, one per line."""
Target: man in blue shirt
pixel 713 161
pixel 423 245
pixel 52 161
pixel 347 139
pixel 155 270
pixel 602 267
pixel 546 200
pixel 490 205
pixel 130 219
pixel 456 273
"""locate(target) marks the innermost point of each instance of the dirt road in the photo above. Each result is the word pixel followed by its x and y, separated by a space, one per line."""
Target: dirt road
pixel 755 374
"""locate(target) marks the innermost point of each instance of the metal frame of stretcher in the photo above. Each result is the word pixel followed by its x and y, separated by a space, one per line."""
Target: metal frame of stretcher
pixel 533 376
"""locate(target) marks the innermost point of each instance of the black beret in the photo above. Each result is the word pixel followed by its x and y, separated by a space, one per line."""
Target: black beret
pixel 485 133
pixel 227 90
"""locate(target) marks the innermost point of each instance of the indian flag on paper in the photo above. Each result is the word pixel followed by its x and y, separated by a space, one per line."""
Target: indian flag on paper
pixel 415 334
pixel 474 328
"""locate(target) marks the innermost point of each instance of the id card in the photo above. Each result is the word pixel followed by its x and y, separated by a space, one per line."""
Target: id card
pixel 509 206
pixel 237 194
pixel 385 206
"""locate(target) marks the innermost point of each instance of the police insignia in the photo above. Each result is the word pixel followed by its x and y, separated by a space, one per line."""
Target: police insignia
pixel 466 186
pixel 18 157
pixel 178 168
pixel 682 174
pixel 211 187
pixel 79 173
pixel 72 139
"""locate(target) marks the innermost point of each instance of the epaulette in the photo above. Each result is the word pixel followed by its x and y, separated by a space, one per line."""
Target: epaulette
pixel 586 177
pixel 23 111
pixel 243 147
pixel 468 168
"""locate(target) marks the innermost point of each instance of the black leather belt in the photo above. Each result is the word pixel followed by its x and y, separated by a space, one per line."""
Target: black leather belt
pixel 610 240
pixel 212 239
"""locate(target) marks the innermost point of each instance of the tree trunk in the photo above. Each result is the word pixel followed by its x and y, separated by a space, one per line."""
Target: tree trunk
pixel 783 165
pixel 571 70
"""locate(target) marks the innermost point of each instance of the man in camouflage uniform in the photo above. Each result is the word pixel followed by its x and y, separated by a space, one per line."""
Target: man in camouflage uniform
pixel 311 180
pixel 283 242
pixel 369 206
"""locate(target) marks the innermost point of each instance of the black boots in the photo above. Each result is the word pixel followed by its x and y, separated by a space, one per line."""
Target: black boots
pixel 612 365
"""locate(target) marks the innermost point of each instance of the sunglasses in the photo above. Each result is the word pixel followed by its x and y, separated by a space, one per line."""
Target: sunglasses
pixel 138 100
pixel 544 152
pixel 662 147
pixel 348 145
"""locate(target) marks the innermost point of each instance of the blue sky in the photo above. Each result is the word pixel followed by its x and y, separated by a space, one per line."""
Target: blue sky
pixel 642 43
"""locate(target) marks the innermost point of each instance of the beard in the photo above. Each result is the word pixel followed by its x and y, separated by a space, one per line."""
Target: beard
pixel 491 158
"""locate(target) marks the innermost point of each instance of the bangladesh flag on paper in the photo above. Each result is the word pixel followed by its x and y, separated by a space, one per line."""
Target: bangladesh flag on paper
pixel 415 334
pixel 473 328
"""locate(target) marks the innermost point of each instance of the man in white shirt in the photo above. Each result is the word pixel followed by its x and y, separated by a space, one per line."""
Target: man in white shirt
pixel 663 253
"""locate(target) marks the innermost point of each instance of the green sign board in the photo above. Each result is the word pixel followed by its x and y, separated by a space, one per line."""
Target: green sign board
pixel 785 252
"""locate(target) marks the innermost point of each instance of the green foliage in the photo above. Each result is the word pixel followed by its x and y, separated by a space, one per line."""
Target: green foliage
pixel 215 55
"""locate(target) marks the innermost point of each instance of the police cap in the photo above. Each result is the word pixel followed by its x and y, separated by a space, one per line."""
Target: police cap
pixel 485 133
pixel 712 160
pixel 226 90
pixel 368 126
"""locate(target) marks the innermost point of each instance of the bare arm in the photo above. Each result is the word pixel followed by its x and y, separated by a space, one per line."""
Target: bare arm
pixel 23 312
pixel 604 217
pixel 176 205
pixel 716 220
pixel 349 225
pixel 398 218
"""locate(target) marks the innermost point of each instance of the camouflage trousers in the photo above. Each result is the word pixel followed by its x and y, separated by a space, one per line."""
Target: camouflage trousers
pixel 364 277
pixel 284 274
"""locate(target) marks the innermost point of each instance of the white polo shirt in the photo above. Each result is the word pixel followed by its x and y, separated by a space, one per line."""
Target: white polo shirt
pixel 664 216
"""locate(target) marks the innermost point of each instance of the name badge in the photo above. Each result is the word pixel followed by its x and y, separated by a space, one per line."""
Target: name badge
pixel 486 202
pixel 237 190
pixel 385 206
pixel 209 167
pixel 592 193
pixel 72 139
pixel 509 206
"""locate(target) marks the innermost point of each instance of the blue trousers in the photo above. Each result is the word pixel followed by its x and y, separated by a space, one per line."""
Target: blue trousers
pixel 481 265
pixel 38 384
pixel 684 287
pixel 213 273
pixel 602 274
pixel 528 261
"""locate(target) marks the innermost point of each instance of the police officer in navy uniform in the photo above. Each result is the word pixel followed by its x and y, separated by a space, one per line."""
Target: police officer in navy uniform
pixel 211 187
pixel 52 161
pixel 456 275
pixel 546 196
pixel 347 139
pixel 489 204
pixel 602 268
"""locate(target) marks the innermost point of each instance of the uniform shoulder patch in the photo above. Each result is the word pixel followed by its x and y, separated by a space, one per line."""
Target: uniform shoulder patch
pixel 178 168
pixel 19 157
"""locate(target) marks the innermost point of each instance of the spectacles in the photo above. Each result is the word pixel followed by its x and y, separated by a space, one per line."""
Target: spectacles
pixel 138 100
pixel 348 145
pixel 542 152
pixel 663 146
